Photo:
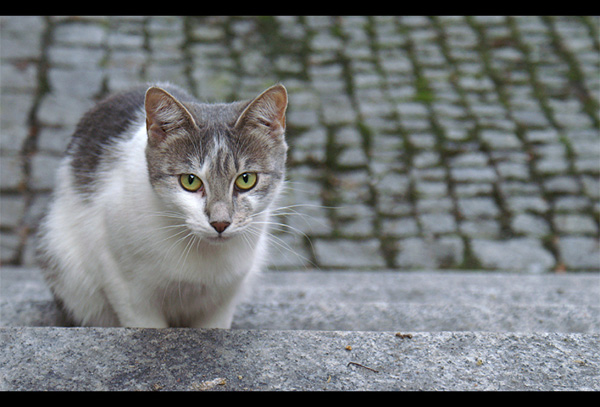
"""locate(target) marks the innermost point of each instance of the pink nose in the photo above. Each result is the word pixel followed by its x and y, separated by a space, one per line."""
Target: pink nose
pixel 220 226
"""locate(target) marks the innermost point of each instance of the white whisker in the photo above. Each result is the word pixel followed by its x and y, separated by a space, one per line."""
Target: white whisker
pixel 281 245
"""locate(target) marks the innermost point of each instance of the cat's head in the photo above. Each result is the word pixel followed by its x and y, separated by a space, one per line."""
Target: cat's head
pixel 220 166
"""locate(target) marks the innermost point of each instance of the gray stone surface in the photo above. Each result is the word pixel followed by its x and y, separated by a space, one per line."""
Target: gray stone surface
pixel 429 129
pixel 515 254
pixel 421 147
pixel 433 143
pixel 374 301
pixel 265 360
pixel 334 330
pixel 579 251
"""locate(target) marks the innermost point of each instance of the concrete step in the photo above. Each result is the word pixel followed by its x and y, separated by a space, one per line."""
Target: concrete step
pixel 374 301
pixel 115 359
pixel 326 331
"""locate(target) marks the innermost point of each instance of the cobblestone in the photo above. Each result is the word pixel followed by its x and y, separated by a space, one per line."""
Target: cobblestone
pixel 519 254
pixel 437 142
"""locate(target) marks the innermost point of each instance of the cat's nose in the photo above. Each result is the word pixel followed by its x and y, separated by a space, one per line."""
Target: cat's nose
pixel 220 226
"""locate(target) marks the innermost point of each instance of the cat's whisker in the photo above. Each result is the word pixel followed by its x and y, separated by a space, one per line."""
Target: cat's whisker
pixel 168 215
pixel 151 238
pixel 282 246
pixel 290 210
pixel 190 236
pixel 188 233
pixel 276 214
pixel 282 227
pixel 287 186
pixel 182 261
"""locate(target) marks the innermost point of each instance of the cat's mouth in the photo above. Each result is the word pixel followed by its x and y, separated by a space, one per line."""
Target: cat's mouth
pixel 215 238
pixel 207 234
pixel 218 238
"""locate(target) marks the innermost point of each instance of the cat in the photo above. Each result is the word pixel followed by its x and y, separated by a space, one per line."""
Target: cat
pixel 160 214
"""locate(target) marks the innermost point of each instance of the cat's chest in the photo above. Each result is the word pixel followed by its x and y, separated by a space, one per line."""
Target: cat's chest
pixel 158 253
pixel 172 265
pixel 193 270
pixel 184 302
pixel 183 294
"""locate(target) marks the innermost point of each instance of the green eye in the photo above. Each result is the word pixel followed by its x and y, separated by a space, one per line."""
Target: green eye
pixel 190 182
pixel 246 181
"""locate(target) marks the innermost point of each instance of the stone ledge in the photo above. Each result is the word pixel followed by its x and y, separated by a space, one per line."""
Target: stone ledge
pixel 374 301
pixel 326 331
pixel 268 360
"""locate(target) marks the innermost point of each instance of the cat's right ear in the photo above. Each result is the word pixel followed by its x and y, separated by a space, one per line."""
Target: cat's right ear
pixel 266 112
pixel 165 116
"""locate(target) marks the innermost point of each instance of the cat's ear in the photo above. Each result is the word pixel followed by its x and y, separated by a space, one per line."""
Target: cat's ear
pixel 266 112
pixel 165 116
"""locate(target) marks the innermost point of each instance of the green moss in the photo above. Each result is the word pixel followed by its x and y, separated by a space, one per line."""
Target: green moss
pixel 424 93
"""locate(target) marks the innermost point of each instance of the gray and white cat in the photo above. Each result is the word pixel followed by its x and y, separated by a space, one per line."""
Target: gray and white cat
pixel 162 202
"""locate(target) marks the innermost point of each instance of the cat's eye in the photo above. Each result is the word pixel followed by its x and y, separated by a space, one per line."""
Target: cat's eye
pixel 190 182
pixel 246 181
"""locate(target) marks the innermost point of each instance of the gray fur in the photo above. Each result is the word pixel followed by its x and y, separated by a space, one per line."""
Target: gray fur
pixel 220 135
pixel 114 118
pixel 125 232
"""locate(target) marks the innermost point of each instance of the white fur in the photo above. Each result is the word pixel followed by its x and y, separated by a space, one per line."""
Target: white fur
pixel 123 251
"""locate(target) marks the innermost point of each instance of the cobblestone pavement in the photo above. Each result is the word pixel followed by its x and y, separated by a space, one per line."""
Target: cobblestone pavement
pixel 416 142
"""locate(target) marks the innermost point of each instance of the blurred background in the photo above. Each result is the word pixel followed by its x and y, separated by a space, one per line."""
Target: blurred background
pixel 445 142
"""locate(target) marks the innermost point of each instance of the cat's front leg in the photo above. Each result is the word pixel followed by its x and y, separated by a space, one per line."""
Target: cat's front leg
pixel 130 301
pixel 133 310
pixel 220 314
pixel 143 320
pixel 134 307
pixel 221 317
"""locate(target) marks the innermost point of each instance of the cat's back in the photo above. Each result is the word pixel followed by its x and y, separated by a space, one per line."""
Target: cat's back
pixel 113 119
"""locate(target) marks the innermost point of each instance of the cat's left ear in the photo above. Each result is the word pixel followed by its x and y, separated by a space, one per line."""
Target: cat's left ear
pixel 165 116
pixel 266 112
